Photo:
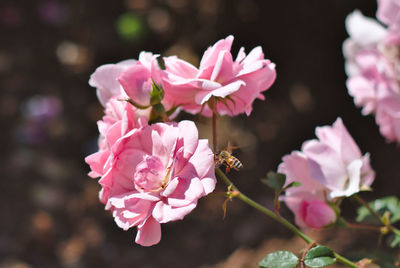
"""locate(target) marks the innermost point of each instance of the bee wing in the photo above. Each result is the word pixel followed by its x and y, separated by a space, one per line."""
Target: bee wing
pixel 229 147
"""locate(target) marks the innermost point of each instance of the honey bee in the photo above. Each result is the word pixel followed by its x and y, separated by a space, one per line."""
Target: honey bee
pixel 226 158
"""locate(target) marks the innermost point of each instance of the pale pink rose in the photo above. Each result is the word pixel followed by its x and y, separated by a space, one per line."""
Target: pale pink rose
pixel 389 12
pixel 336 161
pixel 238 82
pixel 307 201
pixel 327 168
pixel 155 174
pixel 373 64
pixel 128 79
pixel 104 79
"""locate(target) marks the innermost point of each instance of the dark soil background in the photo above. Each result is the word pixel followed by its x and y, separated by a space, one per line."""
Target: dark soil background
pixel 50 214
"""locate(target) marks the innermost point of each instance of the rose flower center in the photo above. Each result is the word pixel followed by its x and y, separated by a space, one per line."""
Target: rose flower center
pixel 149 175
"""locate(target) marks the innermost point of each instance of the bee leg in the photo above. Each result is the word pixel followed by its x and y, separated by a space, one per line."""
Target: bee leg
pixel 227 169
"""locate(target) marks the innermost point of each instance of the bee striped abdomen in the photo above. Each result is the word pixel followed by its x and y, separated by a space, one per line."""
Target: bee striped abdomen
pixel 234 163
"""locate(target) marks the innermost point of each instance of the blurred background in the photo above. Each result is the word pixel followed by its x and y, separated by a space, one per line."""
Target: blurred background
pixel 51 216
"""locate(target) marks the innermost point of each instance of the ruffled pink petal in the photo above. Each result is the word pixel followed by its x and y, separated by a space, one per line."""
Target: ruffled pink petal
pixel 325 164
pixel 223 68
pixel 211 54
pixel 187 192
pixel 190 136
pixel 149 233
pixel 97 162
pixel 296 168
pixel 181 68
pixel 202 160
pixel 105 80
pixel 137 83
pixel 317 214
pixel 203 96
pixel 164 213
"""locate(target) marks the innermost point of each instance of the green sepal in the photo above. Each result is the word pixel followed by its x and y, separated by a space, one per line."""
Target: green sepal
pixel 158 114
pixel 140 107
pixel 156 95
pixel 173 109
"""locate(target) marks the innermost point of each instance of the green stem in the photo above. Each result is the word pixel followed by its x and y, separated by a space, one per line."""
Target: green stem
pixel 362 226
pixel 279 219
pixel 367 206
pixel 214 131
pixel 373 212
pixel 345 261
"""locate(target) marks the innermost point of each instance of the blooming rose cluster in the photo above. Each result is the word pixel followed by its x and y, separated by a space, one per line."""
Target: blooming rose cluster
pixel 155 173
pixel 372 65
pixel 328 168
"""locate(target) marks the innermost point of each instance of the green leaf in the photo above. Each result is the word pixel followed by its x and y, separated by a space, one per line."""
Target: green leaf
pixel 319 256
pixel 389 204
pixel 275 180
pixel 395 241
pixel 279 259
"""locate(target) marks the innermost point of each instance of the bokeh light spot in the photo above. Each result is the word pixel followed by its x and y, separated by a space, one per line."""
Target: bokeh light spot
pixel 129 26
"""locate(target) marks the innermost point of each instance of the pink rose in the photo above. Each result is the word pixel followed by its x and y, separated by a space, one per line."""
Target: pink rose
pixel 236 83
pixel 137 80
pixel 327 168
pixel 307 202
pixel 120 118
pixel 155 174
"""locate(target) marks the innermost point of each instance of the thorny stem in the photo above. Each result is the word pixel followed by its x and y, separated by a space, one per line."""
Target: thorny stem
pixel 281 220
pixel 373 212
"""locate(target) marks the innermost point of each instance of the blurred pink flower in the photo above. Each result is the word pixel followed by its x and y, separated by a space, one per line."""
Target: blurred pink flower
pixel 154 174
pixel 237 82
pixel 327 168
pixel 372 64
